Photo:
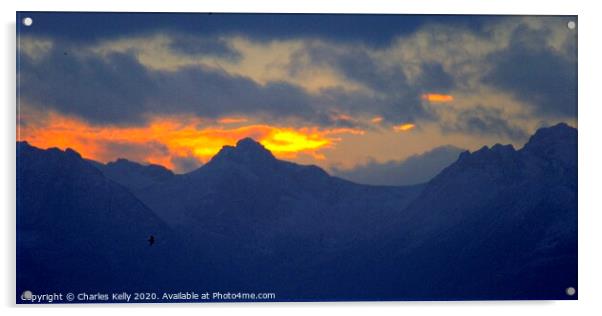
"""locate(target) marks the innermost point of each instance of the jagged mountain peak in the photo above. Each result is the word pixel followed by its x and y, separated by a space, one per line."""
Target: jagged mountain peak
pixel 23 143
pixel 556 132
pixel 123 163
pixel 487 154
pixel 134 175
pixel 558 139
pixel 246 151
pixel 550 150
pixel 555 142
pixel 492 211
pixel 502 148
pixel 25 146
pixel 249 142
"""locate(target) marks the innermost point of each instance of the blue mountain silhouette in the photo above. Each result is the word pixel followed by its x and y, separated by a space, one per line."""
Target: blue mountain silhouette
pixel 78 230
pixel 133 175
pixel 498 223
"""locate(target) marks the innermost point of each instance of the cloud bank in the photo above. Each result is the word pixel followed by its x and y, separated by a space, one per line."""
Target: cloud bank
pixel 462 80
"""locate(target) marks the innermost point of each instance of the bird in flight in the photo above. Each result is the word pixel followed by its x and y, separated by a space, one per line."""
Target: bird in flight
pixel 151 240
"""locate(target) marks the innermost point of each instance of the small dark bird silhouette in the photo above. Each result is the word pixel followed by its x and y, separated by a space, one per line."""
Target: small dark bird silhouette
pixel 65 53
pixel 151 240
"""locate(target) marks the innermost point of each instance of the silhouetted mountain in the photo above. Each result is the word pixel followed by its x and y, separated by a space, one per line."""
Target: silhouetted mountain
pixel 247 152
pixel 498 223
pixel 248 181
pixel 78 230
pixel 132 175
pixel 415 169
pixel 245 203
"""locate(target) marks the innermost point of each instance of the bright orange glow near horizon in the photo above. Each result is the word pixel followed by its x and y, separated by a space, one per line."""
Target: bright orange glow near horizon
pixel 404 127
pixel 437 98
pixel 165 139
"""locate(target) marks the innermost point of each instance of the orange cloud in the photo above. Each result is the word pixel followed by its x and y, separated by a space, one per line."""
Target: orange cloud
pixel 232 120
pixel 342 117
pixel 377 119
pixel 437 98
pixel 403 127
pixel 164 140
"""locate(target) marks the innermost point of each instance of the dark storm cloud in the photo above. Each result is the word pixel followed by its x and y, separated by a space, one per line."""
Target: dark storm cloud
pixel 212 93
pixel 392 109
pixel 434 78
pixel 397 100
pixel 359 67
pixel 114 89
pixel 537 74
pixel 117 89
pixel 207 46
pixel 374 29
pixel 486 121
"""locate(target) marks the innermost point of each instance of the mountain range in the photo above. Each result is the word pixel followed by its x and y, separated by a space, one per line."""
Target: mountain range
pixel 497 223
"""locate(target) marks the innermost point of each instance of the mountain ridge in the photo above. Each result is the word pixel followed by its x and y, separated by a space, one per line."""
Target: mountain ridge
pixel 70 216
pixel 133 175
pixel 498 223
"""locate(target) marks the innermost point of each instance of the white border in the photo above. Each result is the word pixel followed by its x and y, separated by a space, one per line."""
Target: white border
pixel 590 158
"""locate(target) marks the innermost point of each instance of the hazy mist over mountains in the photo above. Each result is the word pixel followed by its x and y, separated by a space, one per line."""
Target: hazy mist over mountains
pixel 415 169
pixel 497 223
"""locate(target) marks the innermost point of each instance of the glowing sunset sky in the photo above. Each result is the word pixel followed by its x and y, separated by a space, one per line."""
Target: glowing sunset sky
pixel 336 91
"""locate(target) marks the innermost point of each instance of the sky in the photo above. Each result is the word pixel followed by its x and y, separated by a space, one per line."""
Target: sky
pixel 340 91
